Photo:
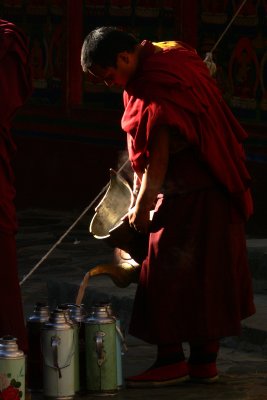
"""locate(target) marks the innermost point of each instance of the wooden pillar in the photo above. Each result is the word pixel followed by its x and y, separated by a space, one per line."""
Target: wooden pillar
pixel 74 44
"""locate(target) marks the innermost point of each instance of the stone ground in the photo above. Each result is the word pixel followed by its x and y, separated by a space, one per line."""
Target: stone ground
pixel 242 361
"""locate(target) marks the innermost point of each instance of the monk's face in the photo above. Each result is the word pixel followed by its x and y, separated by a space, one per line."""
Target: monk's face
pixel 119 75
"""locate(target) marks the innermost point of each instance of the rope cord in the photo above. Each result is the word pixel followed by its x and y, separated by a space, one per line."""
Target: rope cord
pixel 228 26
pixel 69 229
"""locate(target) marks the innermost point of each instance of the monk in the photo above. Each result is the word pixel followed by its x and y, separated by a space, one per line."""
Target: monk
pixel 185 147
pixel 15 88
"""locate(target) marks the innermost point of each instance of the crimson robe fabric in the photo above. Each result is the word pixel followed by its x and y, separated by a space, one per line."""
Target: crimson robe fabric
pixel 195 283
pixel 15 88
pixel 174 88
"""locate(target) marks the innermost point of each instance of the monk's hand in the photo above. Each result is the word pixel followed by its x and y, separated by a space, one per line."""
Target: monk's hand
pixel 139 219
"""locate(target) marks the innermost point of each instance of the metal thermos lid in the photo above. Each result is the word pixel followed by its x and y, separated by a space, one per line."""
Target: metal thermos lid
pixel 65 309
pixel 110 310
pixel 99 314
pixel 9 348
pixel 40 314
pixel 108 307
pixel 59 320
pixel 77 312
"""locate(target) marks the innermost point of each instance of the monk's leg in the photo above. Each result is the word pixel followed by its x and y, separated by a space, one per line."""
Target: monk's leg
pixel 202 361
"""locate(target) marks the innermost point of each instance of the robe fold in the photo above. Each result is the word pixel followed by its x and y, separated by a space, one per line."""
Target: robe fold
pixel 174 88
pixel 195 283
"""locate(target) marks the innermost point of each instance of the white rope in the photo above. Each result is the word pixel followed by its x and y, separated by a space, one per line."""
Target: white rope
pixel 208 58
pixel 69 229
pixel 228 26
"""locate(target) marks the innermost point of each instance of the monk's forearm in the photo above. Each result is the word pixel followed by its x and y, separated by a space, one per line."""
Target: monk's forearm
pixel 154 175
pixel 150 187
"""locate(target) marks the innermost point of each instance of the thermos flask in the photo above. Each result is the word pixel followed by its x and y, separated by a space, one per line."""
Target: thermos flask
pixel 12 369
pixel 66 308
pixel 121 346
pixel 34 325
pixel 58 346
pixel 100 343
pixel 78 315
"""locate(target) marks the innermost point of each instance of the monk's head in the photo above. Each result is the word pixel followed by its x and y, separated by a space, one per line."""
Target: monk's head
pixel 110 55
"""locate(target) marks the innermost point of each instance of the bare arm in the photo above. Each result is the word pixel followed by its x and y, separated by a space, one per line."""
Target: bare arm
pixel 136 185
pixel 152 180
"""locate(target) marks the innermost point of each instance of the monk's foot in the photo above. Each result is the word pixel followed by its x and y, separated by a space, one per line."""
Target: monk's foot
pixel 203 373
pixel 166 375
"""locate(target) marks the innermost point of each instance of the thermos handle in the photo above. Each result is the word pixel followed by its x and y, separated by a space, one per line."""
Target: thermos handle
pixel 122 338
pixel 100 347
pixel 55 342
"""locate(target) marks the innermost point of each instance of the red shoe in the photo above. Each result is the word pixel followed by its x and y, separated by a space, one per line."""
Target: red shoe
pixel 203 373
pixel 166 375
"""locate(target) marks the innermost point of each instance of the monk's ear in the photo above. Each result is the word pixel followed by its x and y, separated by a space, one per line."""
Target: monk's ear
pixel 124 56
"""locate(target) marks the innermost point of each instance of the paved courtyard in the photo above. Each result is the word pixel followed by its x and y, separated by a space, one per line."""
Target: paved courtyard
pixel 242 363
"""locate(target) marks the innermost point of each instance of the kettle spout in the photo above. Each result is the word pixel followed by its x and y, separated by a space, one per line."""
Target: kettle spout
pixel 122 277
pixel 122 271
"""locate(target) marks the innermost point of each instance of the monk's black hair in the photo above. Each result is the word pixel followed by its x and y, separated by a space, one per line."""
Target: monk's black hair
pixel 102 45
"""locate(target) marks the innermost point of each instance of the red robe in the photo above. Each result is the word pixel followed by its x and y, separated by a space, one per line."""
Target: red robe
pixel 195 283
pixel 15 88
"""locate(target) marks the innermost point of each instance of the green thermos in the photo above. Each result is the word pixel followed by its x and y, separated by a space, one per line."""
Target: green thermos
pixel 100 343
pixel 121 346
pixel 66 309
pixel 78 315
pixel 58 347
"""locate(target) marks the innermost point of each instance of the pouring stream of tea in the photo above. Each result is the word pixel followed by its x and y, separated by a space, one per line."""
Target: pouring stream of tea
pixel 98 270
pixel 82 288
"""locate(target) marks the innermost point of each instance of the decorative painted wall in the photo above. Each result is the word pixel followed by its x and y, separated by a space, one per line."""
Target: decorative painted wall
pixel 44 23
pixel 241 56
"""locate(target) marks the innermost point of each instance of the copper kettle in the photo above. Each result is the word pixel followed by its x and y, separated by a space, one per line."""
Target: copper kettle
pixel 110 224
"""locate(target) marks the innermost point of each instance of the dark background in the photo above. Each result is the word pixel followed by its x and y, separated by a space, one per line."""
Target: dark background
pixel 68 134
